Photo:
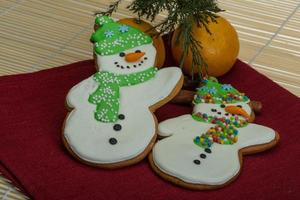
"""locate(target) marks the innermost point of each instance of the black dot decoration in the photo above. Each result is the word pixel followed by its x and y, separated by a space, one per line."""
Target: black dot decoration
pixel 197 162
pixel 117 127
pixel 202 155
pixel 113 141
pixel 207 150
pixel 121 116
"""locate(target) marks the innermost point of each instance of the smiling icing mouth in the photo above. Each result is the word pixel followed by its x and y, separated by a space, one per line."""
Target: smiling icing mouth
pixel 128 66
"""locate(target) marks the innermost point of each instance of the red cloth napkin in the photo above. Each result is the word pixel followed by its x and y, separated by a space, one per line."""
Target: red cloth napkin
pixel 32 111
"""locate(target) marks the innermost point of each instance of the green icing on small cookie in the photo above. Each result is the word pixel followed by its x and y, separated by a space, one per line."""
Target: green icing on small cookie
pixel 107 95
pixel 113 37
pixel 213 92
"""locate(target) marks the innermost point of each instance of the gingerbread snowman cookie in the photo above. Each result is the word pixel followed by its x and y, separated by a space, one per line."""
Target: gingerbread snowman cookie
pixel 204 150
pixel 111 123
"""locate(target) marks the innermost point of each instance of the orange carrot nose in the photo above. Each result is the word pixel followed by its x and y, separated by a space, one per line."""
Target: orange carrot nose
pixel 237 110
pixel 133 57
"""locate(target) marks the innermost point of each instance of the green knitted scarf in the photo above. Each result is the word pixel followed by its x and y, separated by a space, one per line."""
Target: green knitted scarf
pixel 107 95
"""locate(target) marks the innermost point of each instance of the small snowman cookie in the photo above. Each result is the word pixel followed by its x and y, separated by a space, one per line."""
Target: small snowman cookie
pixel 112 124
pixel 204 150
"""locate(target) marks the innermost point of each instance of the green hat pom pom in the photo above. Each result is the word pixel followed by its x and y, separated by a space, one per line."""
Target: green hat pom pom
pixel 113 37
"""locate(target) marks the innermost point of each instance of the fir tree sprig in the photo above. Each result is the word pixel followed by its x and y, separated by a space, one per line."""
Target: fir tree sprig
pixel 182 14
pixel 111 8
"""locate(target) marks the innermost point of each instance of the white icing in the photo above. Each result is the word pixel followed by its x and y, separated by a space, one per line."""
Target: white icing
pixel 89 138
pixel 175 154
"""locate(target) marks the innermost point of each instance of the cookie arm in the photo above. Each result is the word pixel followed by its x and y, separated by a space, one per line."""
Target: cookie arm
pixel 80 92
pixel 165 84
pixel 172 126
pixel 255 134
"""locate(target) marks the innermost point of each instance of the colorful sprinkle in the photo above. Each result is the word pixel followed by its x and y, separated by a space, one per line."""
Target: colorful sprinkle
pixel 224 132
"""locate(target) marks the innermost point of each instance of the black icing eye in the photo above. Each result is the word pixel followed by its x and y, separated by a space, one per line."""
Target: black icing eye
pixel 213 110
pixel 122 54
pixel 222 106
pixel 239 106
pixel 226 114
pixel 138 51
pixel 219 113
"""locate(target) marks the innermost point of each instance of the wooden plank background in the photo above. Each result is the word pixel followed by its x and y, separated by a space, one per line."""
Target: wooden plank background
pixel 40 34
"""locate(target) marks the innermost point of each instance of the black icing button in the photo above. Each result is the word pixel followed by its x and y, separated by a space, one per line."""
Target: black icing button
pixel 226 114
pixel 197 162
pixel 239 106
pixel 222 106
pixel 207 150
pixel 121 116
pixel 117 127
pixel 202 155
pixel 219 113
pixel 113 141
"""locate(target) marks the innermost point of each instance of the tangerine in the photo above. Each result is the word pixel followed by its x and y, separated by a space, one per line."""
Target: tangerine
pixel 219 49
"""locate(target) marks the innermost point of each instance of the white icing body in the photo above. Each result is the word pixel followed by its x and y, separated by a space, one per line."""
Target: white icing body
pixel 175 154
pixel 89 138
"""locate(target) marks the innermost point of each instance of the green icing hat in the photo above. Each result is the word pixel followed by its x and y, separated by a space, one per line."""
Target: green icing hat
pixel 113 37
pixel 214 92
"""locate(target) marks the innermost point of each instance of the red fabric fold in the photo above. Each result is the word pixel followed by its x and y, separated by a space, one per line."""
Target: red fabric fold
pixel 32 111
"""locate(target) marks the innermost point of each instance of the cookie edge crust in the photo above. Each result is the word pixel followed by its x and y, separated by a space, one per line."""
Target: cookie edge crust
pixel 140 156
pixel 242 152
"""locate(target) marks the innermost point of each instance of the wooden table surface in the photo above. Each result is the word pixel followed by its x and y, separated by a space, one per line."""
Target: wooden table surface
pixel 41 34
